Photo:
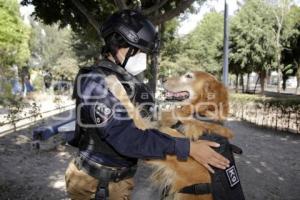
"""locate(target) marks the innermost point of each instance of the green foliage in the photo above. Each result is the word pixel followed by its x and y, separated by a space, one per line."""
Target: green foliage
pixel 267 101
pixel 14 35
pixel 291 42
pixel 282 112
pixel 37 80
pixel 195 51
pixel 35 111
pixel 85 47
pixel 15 106
pixel 85 18
pixel 252 38
pixel 202 43
pixel 51 49
pixel 171 48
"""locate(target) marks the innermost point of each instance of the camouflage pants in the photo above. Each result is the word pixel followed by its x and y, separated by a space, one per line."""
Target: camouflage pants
pixel 81 186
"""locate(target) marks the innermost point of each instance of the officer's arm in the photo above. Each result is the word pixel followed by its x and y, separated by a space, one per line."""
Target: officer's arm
pixel 109 118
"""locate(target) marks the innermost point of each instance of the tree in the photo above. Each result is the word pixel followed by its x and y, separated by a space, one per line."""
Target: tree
pixel 14 36
pixel 203 42
pixel 252 39
pixel 291 44
pixel 50 49
pixel 280 9
pixel 86 49
pixel 171 47
pixel 85 17
pixel 78 12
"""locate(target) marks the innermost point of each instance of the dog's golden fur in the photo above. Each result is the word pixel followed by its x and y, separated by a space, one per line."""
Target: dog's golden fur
pixel 208 97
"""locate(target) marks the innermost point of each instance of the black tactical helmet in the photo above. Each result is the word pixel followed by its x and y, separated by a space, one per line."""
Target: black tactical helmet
pixel 134 28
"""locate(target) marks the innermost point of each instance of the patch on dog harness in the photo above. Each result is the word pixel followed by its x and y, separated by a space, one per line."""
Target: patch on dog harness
pixel 232 176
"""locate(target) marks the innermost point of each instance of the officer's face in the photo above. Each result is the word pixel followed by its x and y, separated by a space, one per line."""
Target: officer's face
pixel 121 53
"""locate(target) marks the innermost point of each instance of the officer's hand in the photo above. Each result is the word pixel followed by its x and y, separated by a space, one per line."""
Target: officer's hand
pixel 202 152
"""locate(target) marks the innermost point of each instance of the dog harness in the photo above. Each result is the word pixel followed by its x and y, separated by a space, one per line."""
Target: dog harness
pixel 225 184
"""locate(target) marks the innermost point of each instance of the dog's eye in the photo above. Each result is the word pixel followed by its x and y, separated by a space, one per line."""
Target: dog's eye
pixel 188 76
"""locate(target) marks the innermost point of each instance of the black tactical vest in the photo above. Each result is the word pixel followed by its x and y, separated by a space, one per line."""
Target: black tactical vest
pixel 89 138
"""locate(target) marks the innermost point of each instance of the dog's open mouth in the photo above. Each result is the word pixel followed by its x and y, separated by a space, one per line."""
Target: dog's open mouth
pixel 177 96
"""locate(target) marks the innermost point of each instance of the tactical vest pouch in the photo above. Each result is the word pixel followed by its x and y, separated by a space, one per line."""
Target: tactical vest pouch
pixel 225 184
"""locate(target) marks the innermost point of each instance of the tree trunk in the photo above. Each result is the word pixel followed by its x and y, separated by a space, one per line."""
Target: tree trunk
pixel 154 62
pixel 236 83
pixel 153 71
pixel 247 84
pixel 278 56
pixel 242 83
pixel 298 79
pixel 262 76
pixel 279 79
pixel 268 77
pixel 258 78
pixel 298 85
pixel 284 79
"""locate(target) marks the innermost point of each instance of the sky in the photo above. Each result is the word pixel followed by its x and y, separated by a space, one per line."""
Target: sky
pixel 191 22
pixel 26 11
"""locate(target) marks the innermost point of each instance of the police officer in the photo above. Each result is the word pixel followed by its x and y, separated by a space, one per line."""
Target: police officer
pixel 109 143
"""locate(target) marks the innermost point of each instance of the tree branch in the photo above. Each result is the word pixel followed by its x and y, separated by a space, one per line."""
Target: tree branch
pixel 120 4
pixel 154 8
pixel 180 8
pixel 89 17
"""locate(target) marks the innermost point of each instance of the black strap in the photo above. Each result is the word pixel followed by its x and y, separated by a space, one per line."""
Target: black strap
pixel 106 64
pixel 178 126
pixel 102 192
pixel 235 149
pixel 197 189
pixel 101 172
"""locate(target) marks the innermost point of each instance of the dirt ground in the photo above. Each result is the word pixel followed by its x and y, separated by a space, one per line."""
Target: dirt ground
pixel 28 174
pixel 269 168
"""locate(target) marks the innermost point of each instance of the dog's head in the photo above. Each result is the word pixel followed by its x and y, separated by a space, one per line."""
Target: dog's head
pixel 202 91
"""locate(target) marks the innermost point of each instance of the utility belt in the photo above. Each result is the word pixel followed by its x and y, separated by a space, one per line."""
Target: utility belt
pixel 104 174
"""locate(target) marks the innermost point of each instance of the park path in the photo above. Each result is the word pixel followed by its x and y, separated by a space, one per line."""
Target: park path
pixel 269 167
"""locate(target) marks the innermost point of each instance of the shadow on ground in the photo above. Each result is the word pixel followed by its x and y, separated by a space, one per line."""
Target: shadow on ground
pixel 270 166
pixel 28 174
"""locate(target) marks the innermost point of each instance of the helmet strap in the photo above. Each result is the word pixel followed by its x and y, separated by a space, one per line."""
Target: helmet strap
pixel 131 52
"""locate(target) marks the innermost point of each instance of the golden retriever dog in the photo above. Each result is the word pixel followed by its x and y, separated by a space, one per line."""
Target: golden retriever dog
pixel 198 94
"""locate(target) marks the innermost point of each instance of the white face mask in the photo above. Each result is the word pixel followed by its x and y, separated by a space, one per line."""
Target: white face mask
pixel 136 64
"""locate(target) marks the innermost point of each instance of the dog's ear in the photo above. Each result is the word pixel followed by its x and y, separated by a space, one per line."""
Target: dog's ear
pixel 216 93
